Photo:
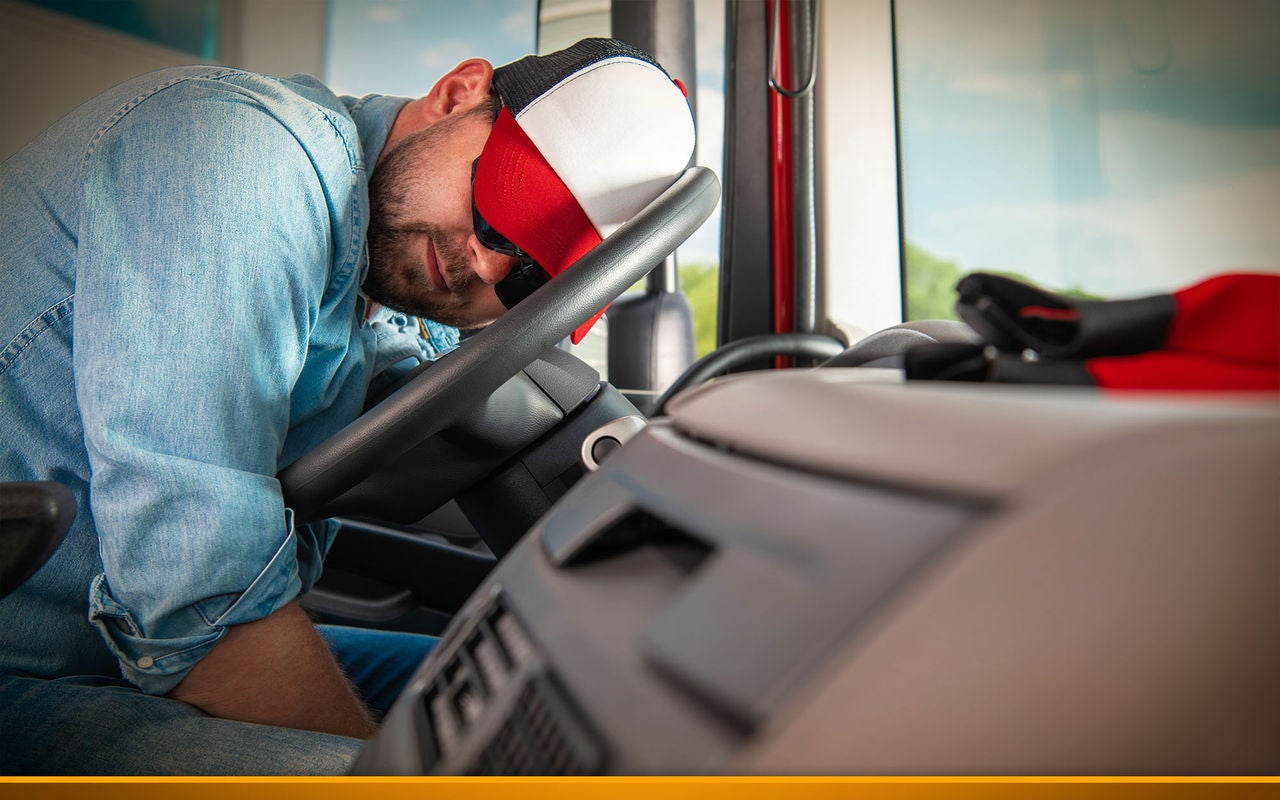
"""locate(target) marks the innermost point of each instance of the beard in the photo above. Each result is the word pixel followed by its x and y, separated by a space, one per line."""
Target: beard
pixel 395 276
pixel 396 245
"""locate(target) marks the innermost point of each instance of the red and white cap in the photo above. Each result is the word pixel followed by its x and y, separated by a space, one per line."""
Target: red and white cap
pixel 586 138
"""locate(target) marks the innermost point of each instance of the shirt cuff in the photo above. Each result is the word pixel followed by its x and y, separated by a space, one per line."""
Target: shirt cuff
pixel 157 660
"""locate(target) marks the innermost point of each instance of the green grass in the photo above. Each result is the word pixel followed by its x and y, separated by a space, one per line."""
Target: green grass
pixel 701 284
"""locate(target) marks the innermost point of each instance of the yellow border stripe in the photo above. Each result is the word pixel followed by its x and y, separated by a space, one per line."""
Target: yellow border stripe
pixel 1052 788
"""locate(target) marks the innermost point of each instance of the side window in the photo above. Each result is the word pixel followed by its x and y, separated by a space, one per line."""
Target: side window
pixel 1110 147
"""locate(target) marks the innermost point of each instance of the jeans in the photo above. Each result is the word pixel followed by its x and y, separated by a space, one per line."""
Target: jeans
pixel 101 726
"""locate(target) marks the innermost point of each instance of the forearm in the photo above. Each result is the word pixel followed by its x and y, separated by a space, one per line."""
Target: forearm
pixel 276 671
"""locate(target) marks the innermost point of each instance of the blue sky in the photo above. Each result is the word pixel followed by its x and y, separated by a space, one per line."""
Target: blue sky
pixel 402 46
pixel 1119 146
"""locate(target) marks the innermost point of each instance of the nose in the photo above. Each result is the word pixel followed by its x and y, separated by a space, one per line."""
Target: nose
pixel 489 265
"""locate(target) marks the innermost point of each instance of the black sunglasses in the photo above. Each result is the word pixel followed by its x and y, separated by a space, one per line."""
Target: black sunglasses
pixel 526 276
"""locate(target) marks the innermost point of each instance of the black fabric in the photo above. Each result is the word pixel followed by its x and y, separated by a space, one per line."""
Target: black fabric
pixel 979 363
pixel 1216 335
pixel 1009 368
pixel 1007 314
pixel 521 82
pixel 945 362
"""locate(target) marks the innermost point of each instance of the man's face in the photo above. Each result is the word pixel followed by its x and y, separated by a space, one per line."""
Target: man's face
pixel 424 258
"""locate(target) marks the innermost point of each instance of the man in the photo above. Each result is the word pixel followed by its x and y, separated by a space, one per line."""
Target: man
pixel 190 305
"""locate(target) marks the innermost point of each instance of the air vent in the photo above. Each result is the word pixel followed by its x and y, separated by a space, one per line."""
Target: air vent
pixel 494 709
pixel 540 737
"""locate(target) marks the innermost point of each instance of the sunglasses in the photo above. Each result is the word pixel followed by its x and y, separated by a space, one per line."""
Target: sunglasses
pixel 526 276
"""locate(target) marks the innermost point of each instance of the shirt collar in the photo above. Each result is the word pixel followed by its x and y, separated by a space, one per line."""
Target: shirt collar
pixel 374 114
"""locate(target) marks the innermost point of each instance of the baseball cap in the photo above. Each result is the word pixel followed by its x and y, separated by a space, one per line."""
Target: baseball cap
pixel 586 138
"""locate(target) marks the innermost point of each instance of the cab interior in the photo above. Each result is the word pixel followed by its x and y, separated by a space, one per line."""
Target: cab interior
pixel 780 557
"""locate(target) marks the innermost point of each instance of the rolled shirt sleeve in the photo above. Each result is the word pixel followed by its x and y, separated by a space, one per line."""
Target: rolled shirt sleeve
pixel 214 299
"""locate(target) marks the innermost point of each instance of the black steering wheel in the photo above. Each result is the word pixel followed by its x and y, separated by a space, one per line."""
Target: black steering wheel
pixel 438 396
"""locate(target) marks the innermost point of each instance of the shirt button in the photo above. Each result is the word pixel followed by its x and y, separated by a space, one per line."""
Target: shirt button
pixel 145 662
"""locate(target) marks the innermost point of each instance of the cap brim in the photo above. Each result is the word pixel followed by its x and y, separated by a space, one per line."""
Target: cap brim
pixel 522 197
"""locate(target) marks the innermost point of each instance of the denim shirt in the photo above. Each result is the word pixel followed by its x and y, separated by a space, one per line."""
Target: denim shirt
pixel 180 317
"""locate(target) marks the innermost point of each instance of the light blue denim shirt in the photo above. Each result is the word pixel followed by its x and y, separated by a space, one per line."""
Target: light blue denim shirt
pixel 180 317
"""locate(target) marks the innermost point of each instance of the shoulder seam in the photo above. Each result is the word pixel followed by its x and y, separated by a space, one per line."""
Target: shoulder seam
pixel 136 100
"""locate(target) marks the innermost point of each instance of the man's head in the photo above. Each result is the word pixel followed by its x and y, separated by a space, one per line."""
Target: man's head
pixel 541 158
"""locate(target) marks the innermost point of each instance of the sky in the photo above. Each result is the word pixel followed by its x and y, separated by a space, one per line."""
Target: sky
pixel 1115 145
pixel 401 47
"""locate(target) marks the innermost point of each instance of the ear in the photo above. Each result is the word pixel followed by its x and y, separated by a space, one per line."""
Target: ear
pixel 460 89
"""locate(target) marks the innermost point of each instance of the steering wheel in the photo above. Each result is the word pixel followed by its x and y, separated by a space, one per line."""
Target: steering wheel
pixel 436 397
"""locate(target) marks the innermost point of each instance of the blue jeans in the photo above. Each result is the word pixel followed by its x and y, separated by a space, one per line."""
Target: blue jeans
pixel 101 726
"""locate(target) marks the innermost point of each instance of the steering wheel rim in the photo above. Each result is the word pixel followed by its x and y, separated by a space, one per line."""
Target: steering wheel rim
pixel 437 396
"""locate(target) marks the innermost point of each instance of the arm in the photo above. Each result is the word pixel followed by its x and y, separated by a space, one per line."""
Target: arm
pixel 204 259
pixel 276 671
